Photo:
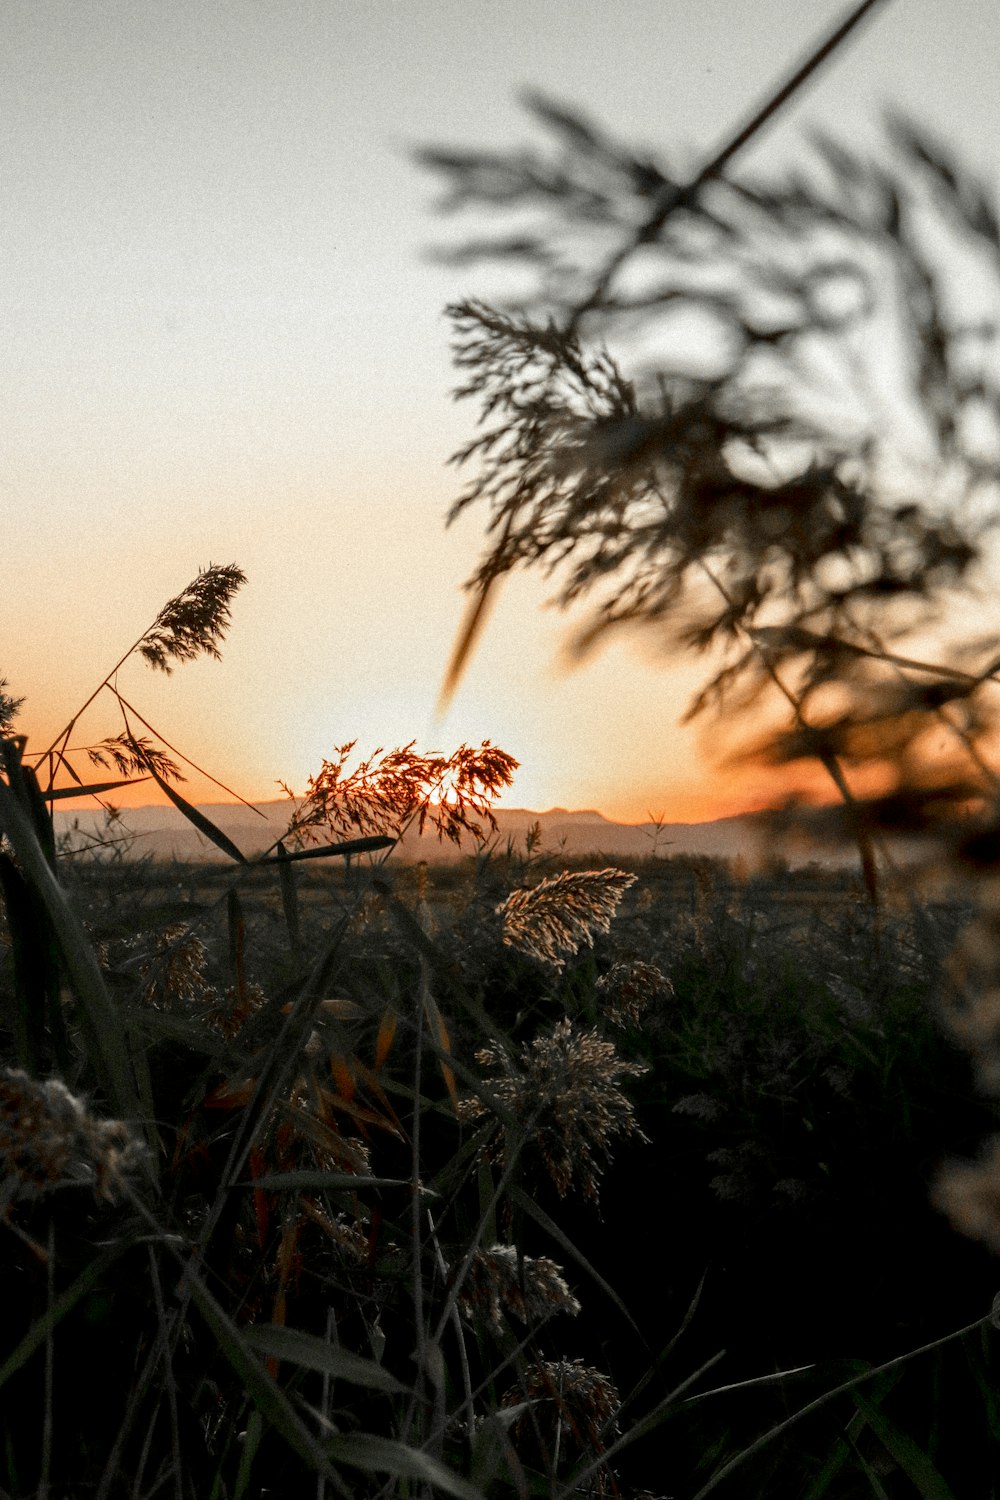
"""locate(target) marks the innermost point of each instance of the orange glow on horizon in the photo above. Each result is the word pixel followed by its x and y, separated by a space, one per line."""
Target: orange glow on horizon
pixel 718 797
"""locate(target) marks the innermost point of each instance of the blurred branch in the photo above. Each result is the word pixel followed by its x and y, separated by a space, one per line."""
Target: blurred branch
pixel 802 488
pixel 673 197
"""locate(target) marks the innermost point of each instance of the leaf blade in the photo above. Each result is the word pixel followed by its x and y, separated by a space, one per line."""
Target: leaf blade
pixel 310 1352
pixel 204 825
pixel 380 1455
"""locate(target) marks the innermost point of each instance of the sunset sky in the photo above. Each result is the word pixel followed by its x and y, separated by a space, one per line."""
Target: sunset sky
pixel 224 342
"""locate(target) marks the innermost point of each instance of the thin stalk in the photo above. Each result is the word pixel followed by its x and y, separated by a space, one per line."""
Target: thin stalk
pixel 673 197
pixel 560 1424
pixel 903 663
pixel 47 1412
pixel 170 1384
pixel 326 1392
pixel 418 1284
pixel 124 704
pixel 866 844
pixel 463 1357
pixel 139 1389
pixel 811 1406
pixel 484 1218
pixel 144 1452
pixel 64 734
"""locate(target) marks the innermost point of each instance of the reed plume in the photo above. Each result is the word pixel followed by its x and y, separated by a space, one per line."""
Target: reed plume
pixel 629 988
pixel 392 790
pixel 134 755
pixel 571 1411
pixel 500 1280
pixel 553 919
pixel 195 621
pixel 565 1097
pixel 50 1140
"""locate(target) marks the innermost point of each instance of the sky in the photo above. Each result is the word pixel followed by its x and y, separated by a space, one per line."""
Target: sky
pixel 224 341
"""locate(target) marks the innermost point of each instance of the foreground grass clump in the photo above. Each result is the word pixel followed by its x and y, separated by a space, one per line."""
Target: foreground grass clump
pixel 250 1184
pixel 414 1202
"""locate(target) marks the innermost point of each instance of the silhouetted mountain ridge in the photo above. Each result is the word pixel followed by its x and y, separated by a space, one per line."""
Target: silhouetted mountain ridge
pixel 164 833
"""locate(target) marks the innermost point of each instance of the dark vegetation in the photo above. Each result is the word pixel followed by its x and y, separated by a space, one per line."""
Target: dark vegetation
pixel 801 1095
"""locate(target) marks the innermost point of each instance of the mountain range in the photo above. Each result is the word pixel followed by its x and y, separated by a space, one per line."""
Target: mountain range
pixel 164 833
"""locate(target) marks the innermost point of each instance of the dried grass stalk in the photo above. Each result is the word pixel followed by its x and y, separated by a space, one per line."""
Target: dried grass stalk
pixel 194 621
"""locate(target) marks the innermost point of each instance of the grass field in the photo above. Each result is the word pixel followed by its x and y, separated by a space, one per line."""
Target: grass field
pixel 427 1196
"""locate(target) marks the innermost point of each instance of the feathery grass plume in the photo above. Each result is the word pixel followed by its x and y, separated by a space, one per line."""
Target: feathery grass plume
pixel 565 1094
pixel 553 919
pixel 174 979
pixel 572 1411
pixel 392 790
pixel 131 755
pixel 50 1140
pixel 8 708
pixel 784 498
pixel 969 1194
pixel 175 976
pixel 195 621
pixel 531 1288
pixel 629 988
pixel 234 1007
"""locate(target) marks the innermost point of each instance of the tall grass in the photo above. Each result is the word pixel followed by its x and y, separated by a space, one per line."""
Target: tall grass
pixel 272 1216
pixel 421 1198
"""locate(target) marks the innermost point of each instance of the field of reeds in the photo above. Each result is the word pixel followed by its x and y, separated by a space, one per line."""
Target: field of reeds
pixel 329 1176
pixel 323 1175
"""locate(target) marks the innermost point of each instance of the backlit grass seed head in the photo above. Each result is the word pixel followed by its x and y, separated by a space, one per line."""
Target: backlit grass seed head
pixel 565 1094
pixel 396 789
pixel 495 1285
pixel 134 755
pixel 49 1140
pixel 629 989
pixel 556 917
pixel 573 1411
pixel 175 976
pixel 195 621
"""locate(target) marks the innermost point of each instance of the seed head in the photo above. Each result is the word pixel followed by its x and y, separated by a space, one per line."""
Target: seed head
pixel 194 621
pixel 392 790
pixel 572 1410
pixel 556 917
pixel 495 1284
pixel 175 977
pixel 628 989
pixel 49 1140
pixel 566 1097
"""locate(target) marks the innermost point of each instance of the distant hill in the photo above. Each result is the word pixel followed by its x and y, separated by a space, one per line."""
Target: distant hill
pixel 166 834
